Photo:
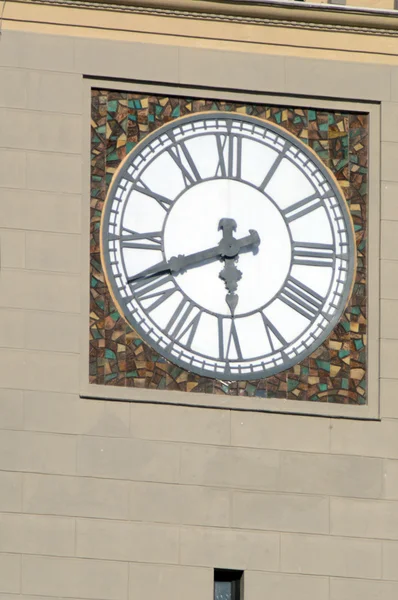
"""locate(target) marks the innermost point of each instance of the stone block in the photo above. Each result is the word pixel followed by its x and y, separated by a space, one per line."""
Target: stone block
pixel 10 573
pixel 281 586
pixel 169 582
pixel 34 534
pixel 121 540
pixel 229 548
pixel 180 423
pixel 280 512
pixel 229 467
pixel 188 505
pixel 128 459
pixel 74 578
pixel 53 252
pixel 52 172
pixel 331 475
pixel 287 432
pixel 75 496
pixel 40 452
pixel 327 555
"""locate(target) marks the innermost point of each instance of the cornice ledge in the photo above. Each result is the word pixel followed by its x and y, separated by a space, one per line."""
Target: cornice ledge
pixel 271 12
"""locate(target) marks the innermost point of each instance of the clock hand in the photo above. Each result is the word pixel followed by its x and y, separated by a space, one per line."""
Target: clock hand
pixel 179 263
pixel 230 274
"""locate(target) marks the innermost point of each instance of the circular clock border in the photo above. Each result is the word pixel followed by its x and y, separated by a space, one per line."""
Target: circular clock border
pixel 329 176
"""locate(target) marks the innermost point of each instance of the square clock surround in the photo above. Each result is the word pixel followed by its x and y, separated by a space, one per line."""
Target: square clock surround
pixel 117 363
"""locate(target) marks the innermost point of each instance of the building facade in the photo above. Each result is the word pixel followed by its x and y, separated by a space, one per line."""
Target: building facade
pixel 135 464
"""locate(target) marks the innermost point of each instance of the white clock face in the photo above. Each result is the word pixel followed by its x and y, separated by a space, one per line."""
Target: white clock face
pixel 227 246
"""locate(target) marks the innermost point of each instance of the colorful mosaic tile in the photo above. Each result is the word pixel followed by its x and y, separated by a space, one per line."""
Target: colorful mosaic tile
pixel 336 370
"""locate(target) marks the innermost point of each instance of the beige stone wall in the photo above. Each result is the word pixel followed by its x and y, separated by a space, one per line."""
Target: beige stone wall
pixel 107 500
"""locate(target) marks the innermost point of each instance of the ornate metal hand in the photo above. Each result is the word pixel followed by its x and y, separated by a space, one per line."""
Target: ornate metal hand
pixel 230 274
pixel 229 247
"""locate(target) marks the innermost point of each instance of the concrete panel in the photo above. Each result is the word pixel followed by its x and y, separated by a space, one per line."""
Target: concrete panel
pixel 331 78
pixel 44 211
pixel 389 232
pixel 35 130
pixel 11 409
pixel 287 432
pixel 149 582
pixel 230 467
pixel 53 172
pixel 364 518
pixel 231 70
pixel 389 157
pixel 389 122
pixel 52 331
pixel 389 279
pixel 12 328
pixel 388 362
pixel 389 319
pixel 394 83
pixel 51 371
pixel 41 291
pixel 33 534
pixel 331 475
pixel 365 438
pixel 12 168
pixel 280 512
pixel 325 555
pixel 391 479
pixel 280 586
pixel 37 51
pixel 75 496
pixel 390 560
pixel 389 201
pixel 29 597
pixel 229 548
pixel 67 413
pixel 126 60
pixel 357 589
pixel 12 363
pixel 10 491
pixel 121 540
pixel 180 423
pixel 41 452
pixel 53 252
pixel 190 505
pixel 128 459
pixel 12 248
pixel 74 578
pixel 54 92
pixel 389 398
pixel 10 573
pixel 13 89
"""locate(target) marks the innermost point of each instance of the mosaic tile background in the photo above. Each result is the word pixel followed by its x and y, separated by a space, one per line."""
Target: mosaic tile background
pixel 336 371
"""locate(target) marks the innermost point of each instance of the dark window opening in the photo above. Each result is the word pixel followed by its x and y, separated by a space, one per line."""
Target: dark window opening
pixel 228 584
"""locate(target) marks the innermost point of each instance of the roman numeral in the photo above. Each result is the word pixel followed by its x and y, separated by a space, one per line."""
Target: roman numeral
pixel 271 329
pixel 153 288
pixel 184 322
pixel 229 147
pixel 274 167
pixel 183 159
pixel 146 241
pixel 301 298
pixel 164 202
pixel 303 207
pixel 232 345
pixel 313 255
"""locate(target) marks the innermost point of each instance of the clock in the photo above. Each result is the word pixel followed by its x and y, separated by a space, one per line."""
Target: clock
pixel 227 245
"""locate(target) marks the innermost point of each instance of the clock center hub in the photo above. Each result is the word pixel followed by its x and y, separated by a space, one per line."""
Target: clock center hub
pixel 193 225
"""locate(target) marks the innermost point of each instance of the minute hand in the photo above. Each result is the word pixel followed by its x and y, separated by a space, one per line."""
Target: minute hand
pixel 181 262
